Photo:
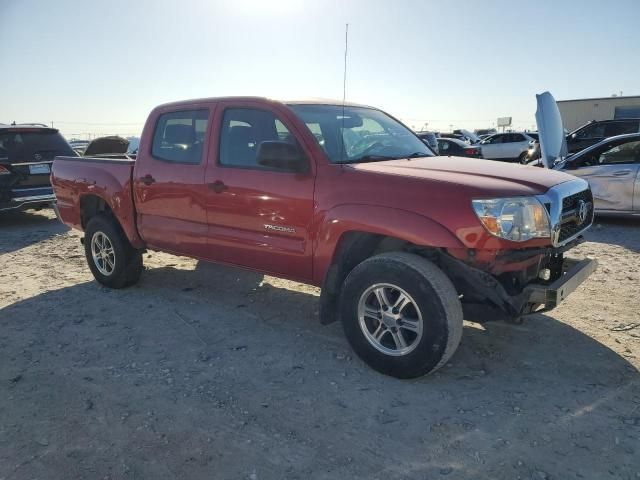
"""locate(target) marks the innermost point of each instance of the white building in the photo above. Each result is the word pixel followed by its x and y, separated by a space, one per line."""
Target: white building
pixel 576 113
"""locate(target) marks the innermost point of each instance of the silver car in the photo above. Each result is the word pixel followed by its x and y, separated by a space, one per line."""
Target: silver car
pixel 612 168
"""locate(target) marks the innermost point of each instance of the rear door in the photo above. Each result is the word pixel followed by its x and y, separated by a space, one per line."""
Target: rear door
pixel 517 144
pixel 493 146
pixel 169 189
pixel 258 217
pixel 612 171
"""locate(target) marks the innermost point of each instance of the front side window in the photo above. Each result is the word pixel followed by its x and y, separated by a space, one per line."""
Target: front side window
pixel 243 130
pixel 359 134
pixel 626 153
pixel 179 136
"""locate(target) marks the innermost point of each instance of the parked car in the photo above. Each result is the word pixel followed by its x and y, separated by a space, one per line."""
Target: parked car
pixel 596 131
pixel 453 147
pixel 455 136
pixel 109 145
pixel 612 168
pixel 481 132
pixel 399 240
pixel 468 136
pixel 430 139
pixel 26 154
pixel 512 146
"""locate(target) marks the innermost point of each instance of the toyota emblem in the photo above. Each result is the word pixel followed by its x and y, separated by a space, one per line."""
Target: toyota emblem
pixel 583 211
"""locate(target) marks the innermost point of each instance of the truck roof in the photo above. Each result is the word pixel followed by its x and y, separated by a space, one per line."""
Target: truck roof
pixel 304 101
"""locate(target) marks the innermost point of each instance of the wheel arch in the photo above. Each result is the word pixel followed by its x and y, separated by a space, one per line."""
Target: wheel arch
pixel 92 204
pixel 351 234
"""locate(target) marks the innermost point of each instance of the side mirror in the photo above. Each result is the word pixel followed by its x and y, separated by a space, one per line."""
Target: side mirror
pixel 281 156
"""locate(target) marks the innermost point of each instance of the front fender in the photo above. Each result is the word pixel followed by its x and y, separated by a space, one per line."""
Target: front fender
pixel 391 222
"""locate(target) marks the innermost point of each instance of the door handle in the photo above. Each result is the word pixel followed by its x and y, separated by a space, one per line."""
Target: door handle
pixel 147 179
pixel 621 173
pixel 218 186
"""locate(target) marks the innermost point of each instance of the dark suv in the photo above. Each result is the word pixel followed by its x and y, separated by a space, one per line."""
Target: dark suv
pixel 26 154
pixel 596 131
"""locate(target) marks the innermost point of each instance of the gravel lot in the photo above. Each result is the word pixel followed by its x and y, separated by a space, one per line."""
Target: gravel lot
pixel 207 372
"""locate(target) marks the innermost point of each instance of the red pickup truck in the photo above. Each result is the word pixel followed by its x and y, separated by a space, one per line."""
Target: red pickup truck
pixel 403 243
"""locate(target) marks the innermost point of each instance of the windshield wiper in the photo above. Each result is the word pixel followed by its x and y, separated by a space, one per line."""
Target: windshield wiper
pixel 371 158
pixel 418 155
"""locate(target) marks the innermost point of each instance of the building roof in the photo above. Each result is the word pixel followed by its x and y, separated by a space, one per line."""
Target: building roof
pixel 600 98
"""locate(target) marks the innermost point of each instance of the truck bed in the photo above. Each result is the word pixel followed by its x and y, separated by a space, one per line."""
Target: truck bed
pixel 97 179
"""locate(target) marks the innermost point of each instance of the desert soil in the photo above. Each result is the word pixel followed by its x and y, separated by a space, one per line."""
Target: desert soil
pixel 206 372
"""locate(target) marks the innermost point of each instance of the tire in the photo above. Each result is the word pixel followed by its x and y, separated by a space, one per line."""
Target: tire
pixel 432 301
pixel 523 158
pixel 124 266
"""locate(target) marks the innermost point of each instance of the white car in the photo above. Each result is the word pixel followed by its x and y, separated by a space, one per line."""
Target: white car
pixel 512 146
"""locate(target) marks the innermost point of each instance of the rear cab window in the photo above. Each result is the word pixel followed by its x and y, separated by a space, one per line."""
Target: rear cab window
pixel 179 136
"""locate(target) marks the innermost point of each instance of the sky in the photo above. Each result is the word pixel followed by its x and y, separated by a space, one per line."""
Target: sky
pixel 99 67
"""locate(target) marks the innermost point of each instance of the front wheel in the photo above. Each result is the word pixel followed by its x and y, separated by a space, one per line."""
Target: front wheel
pixel 111 258
pixel 401 314
pixel 523 159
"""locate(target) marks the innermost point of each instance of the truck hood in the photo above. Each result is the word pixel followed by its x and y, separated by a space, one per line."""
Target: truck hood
pixel 480 177
pixel 553 142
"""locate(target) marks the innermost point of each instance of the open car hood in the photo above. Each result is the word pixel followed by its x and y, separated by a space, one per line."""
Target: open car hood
pixel 471 136
pixel 553 143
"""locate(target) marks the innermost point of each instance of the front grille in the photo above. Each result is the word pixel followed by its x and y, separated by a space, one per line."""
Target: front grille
pixel 570 221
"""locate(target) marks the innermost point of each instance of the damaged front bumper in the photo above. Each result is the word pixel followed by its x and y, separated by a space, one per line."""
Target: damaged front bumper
pixel 487 296
pixel 574 272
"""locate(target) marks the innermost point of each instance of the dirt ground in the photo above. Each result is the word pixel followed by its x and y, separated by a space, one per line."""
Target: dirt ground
pixel 205 372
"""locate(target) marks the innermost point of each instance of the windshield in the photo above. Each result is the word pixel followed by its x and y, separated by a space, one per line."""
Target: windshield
pixel 359 134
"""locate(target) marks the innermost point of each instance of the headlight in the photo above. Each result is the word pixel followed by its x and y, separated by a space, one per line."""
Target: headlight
pixel 517 219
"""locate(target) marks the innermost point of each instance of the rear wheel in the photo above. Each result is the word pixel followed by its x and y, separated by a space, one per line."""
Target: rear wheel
pixel 112 259
pixel 401 314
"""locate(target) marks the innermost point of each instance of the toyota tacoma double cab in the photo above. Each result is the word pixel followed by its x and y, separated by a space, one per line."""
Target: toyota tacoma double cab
pixel 403 244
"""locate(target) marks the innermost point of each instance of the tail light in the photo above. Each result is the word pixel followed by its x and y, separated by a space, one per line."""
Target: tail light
pixel 472 151
pixel 4 170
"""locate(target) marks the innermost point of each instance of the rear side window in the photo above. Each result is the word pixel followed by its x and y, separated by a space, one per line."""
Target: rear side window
pixel 620 128
pixel 33 146
pixel 179 136
pixel 243 130
pixel 591 131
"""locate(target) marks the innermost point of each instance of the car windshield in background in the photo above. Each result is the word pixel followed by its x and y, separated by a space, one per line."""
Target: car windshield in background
pixel 359 134
pixel 33 145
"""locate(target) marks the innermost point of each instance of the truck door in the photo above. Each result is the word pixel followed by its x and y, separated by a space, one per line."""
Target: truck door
pixel 259 216
pixel 169 188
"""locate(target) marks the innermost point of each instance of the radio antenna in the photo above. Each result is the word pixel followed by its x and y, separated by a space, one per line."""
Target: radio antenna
pixel 344 89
